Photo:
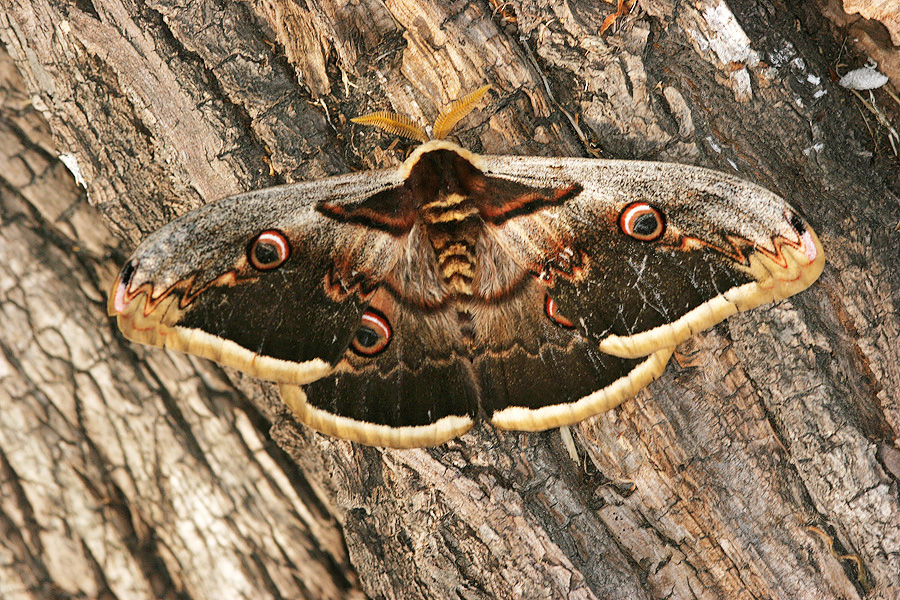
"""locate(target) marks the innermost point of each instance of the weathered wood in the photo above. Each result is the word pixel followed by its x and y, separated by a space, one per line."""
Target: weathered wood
pixel 124 475
pixel 132 472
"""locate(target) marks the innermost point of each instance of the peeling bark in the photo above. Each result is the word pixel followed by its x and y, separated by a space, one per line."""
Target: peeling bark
pixel 132 472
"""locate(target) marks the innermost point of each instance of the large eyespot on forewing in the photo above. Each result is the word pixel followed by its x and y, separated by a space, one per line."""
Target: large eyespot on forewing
pixel 374 334
pixel 269 250
pixel 642 222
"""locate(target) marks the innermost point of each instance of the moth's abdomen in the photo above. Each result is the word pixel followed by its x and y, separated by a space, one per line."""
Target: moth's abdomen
pixel 456 262
pixel 453 225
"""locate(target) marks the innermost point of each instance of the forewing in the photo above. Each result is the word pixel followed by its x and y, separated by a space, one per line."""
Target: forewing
pixel 193 285
pixel 727 245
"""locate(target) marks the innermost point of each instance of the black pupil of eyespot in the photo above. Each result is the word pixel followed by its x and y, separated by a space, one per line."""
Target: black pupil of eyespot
pixel 366 337
pixel 798 224
pixel 266 253
pixel 646 224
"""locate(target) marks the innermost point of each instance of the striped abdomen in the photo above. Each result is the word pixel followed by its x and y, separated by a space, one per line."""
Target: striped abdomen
pixel 453 223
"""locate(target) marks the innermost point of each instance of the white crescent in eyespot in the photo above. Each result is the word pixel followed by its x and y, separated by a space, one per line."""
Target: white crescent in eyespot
pixel 276 240
pixel 377 323
pixel 627 216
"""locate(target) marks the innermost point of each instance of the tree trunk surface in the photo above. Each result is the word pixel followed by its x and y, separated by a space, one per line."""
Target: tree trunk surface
pixel 762 464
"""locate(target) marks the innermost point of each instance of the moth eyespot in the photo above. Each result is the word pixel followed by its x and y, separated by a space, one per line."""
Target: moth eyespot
pixel 269 250
pixel 642 222
pixel 373 335
pixel 552 310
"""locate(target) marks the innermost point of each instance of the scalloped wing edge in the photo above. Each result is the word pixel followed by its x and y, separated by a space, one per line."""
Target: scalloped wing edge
pixel 511 418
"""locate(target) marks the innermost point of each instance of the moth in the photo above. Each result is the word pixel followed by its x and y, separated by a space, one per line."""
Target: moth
pixel 397 307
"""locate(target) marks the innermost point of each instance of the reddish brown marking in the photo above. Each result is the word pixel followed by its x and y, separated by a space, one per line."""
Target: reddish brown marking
pixel 777 257
pixel 498 211
pixel 339 288
pixel 229 278
pixel 740 245
pixel 572 265
pixel 688 243
pixel 396 221
pixel 552 311
pixel 492 212
pixel 151 303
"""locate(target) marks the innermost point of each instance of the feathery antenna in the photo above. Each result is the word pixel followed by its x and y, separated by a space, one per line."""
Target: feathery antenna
pixel 394 124
pixel 403 125
pixel 454 113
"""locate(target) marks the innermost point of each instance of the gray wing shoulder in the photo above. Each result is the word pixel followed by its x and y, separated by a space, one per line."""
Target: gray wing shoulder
pixel 209 239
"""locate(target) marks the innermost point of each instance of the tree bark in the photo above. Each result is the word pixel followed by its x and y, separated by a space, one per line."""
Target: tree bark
pixel 762 464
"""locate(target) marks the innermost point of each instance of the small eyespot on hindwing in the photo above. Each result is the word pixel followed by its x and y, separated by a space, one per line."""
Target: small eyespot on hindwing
pixel 373 335
pixel 642 222
pixel 269 250
pixel 552 311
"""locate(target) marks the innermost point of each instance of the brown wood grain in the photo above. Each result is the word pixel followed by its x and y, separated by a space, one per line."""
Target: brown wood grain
pixel 130 472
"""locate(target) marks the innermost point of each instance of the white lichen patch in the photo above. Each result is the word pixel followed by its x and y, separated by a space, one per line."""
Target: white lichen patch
pixel 72 164
pixel 727 39
pixel 864 78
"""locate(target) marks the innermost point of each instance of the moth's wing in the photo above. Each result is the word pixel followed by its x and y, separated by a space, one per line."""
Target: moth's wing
pixel 419 391
pixel 728 245
pixel 536 374
pixel 191 285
